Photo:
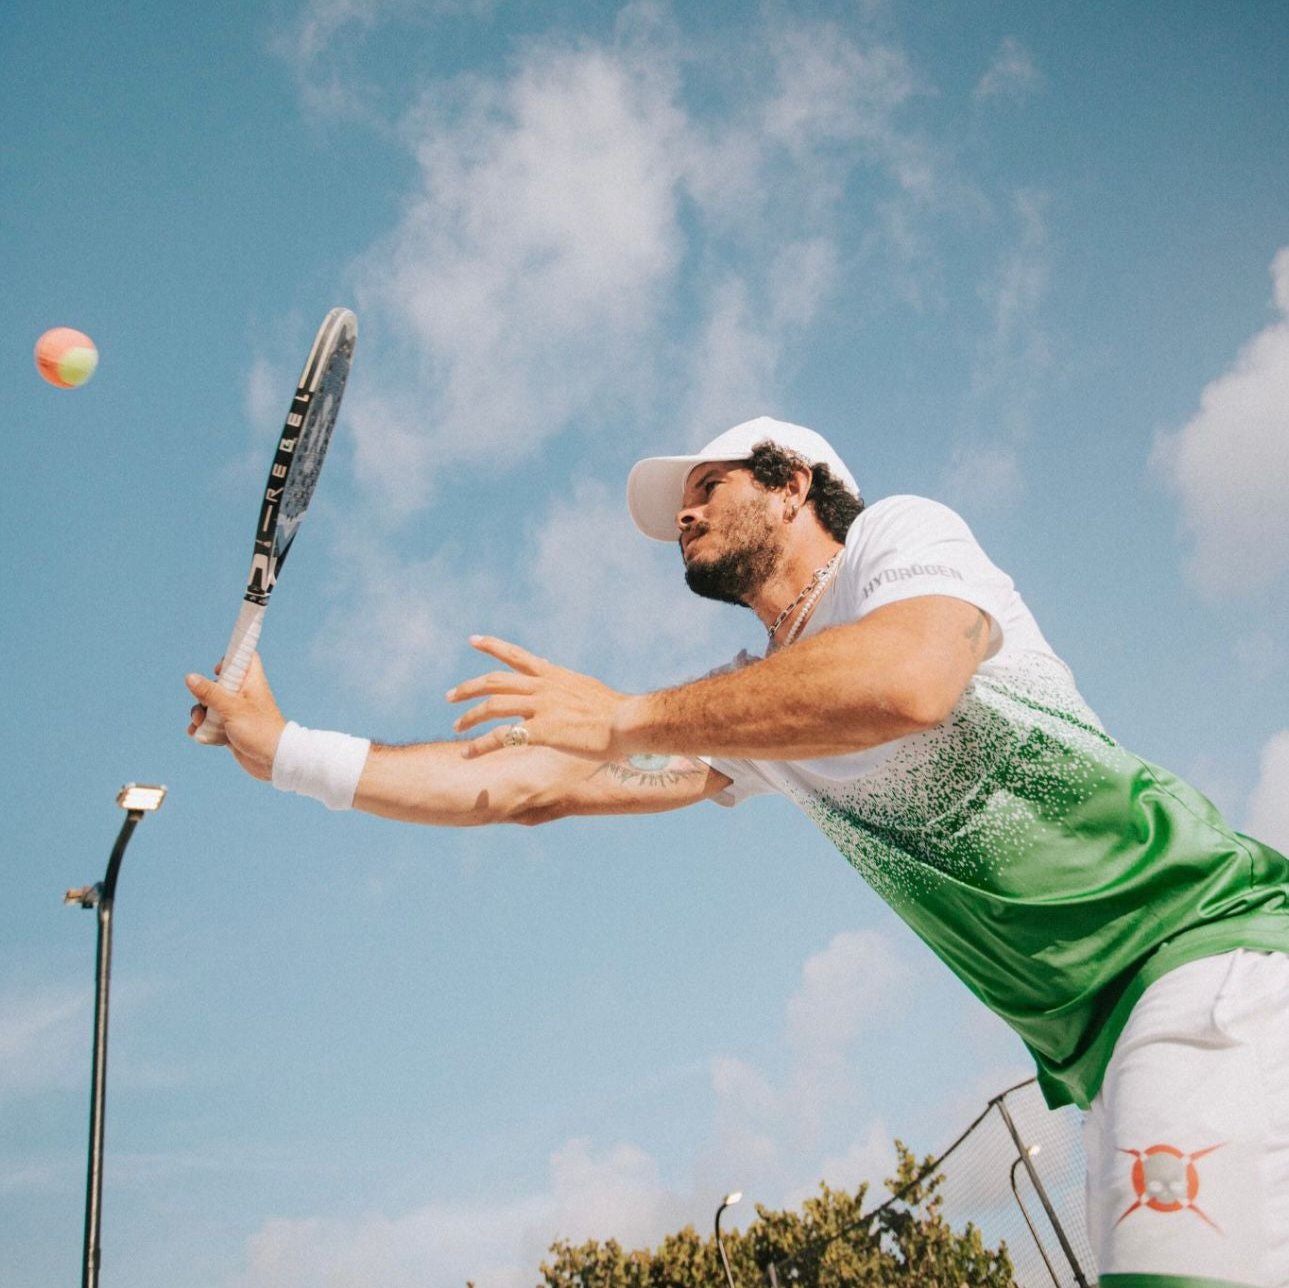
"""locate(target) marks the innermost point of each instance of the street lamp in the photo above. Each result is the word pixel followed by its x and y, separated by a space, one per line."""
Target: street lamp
pixel 728 1201
pixel 1024 1211
pixel 137 800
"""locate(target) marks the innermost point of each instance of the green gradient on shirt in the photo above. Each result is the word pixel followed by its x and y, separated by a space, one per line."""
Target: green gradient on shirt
pixel 1056 874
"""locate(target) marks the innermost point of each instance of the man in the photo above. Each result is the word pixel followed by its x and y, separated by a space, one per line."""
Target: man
pixel 910 706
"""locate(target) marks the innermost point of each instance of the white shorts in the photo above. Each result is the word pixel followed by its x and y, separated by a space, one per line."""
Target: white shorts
pixel 1188 1139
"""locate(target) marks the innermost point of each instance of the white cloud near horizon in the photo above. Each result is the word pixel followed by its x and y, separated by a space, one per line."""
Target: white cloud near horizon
pixel 1229 464
pixel 620 1191
pixel 496 1245
pixel 770 1129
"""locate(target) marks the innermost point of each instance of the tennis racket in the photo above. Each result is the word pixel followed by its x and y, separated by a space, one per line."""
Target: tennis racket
pixel 299 457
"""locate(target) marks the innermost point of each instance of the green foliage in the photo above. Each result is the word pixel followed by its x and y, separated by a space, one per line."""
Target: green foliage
pixel 904 1244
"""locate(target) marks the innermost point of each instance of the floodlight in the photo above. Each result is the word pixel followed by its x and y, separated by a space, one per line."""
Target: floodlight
pixel 728 1201
pixel 139 796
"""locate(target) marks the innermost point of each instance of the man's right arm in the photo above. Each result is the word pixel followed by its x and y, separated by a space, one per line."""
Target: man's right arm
pixel 433 783
pixel 436 783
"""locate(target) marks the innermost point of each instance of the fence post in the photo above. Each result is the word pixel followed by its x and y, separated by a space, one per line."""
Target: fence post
pixel 1025 1158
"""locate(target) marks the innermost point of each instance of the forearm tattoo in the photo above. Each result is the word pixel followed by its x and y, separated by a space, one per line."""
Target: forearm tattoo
pixel 652 771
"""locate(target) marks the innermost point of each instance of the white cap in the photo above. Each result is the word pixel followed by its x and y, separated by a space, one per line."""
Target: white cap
pixel 655 486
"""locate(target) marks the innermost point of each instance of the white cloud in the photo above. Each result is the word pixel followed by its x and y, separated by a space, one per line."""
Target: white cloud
pixel 620 1192
pixel 494 1244
pixel 841 991
pixel 615 1194
pixel 1220 782
pixel 841 988
pixel 768 1129
pixel 1229 465
pixel 268 396
pixel 733 366
pixel 1011 368
pixel 870 1158
pixel 323 45
pixel 524 275
pixel 40 1175
pixel 1259 655
pixel 801 276
pixel 736 364
pixel 321 22
pixel 587 591
pixel 1268 813
pixel 983 476
pixel 542 275
pixel 1015 356
pixel 606 599
pixel 44 1040
pixel 1012 74
pixel 387 632
pixel 830 89
pixel 586 244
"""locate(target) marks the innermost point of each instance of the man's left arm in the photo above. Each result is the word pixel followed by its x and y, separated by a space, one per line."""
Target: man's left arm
pixel 895 672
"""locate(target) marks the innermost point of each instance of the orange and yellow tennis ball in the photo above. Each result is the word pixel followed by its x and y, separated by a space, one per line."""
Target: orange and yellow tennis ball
pixel 66 357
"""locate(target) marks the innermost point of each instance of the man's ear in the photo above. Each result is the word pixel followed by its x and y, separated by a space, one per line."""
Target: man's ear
pixel 797 488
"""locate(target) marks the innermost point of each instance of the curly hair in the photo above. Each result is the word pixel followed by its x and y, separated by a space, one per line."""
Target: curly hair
pixel 835 505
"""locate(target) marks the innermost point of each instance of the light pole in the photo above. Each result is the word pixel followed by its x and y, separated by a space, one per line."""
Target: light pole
pixel 136 800
pixel 1024 1211
pixel 1027 1159
pixel 728 1201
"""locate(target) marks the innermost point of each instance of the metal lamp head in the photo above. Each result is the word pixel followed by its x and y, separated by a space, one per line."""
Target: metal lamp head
pixel 140 797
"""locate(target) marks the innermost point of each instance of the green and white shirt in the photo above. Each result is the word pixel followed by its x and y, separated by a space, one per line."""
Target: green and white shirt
pixel 1054 872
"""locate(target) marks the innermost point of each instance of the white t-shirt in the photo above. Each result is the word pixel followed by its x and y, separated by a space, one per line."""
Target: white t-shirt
pixel 1053 871
pixel 902 547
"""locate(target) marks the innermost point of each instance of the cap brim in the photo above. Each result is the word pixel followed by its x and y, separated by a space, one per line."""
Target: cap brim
pixel 654 489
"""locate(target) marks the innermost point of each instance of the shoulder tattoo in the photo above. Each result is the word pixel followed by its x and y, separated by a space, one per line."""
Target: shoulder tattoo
pixel 652 771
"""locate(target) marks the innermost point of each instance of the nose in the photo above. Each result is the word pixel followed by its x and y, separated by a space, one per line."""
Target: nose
pixel 686 517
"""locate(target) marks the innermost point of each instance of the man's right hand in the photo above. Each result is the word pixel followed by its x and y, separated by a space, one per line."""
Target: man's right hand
pixel 252 722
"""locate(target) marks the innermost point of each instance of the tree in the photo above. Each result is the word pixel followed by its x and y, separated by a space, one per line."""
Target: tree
pixel 830 1243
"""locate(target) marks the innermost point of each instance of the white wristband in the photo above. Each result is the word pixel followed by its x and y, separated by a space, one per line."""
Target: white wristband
pixel 321 764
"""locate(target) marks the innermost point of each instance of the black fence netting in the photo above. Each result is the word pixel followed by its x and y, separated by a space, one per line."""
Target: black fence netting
pixel 1016 1174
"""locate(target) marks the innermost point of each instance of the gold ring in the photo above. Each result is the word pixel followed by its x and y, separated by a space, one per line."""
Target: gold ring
pixel 516 736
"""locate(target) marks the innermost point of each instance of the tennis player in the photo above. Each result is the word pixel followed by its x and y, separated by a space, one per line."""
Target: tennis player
pixel 909 705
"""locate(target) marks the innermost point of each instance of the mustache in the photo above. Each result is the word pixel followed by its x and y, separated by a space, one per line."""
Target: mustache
pixel 691 534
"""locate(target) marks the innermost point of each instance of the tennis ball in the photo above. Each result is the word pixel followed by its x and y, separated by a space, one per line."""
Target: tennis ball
pixel 65 357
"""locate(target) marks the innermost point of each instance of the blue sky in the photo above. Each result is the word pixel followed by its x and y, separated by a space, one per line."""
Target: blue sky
pixel 1032 260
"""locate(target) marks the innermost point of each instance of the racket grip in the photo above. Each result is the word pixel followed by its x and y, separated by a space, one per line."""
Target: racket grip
pixel 232 671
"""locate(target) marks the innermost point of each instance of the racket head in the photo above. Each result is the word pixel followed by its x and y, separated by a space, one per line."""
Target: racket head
pixel 301 449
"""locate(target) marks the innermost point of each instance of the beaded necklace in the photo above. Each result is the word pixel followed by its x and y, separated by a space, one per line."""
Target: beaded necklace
pixel 810 592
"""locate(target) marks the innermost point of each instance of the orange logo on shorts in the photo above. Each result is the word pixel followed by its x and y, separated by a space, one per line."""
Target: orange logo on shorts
pixel 1166 1180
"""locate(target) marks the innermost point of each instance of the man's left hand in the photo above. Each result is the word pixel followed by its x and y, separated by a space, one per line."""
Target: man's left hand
pixel 557 707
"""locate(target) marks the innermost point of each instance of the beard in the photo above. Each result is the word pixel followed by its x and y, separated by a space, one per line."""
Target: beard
pixel 752 555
